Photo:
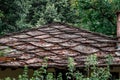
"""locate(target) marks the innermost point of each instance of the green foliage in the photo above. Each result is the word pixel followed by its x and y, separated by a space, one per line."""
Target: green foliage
pixel 24 6
pixel 50 76
pixel 96 73
pixel 1 14
pixel 95 15
pixel 4 51
pixel 40 73
pixel 71 64
pixel 24 76
pixel 78 76
pixel 59 77
pixel 91 60
pixel 71 68
pixel 49 15
pixel 8 78
pixel 99 15
pixel 100 74
pixel 109 59
pixel 49 11
pixel 7 16
pixel 16 15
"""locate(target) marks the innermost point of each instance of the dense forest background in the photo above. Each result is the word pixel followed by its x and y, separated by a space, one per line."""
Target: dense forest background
pixel 95 15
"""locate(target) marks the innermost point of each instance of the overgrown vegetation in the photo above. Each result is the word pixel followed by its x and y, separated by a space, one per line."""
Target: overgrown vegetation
pixel 5 51
pixel 17 15
pixel 99 15
pixel 95 15
pixel 93 71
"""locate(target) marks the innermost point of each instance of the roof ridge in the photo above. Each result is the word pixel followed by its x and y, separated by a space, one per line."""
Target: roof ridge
pixel 57 23
pixel 25 30
pixel 56 41
pixel 75 27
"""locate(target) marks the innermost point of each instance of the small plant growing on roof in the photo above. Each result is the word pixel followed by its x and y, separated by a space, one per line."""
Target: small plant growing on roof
pixel 94 72
pixel 24 76
pixel 4 51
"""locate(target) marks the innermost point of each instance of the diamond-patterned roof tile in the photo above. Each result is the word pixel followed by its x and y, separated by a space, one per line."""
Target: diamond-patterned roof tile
pixel 56 42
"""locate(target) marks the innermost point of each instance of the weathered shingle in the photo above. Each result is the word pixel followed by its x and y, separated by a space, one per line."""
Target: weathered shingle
pixel 56 42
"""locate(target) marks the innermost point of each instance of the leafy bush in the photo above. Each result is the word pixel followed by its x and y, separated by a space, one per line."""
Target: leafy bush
pixel 93 72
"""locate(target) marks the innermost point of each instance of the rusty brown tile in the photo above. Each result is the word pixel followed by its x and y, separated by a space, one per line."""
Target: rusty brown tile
pixel 54 47
pixel 52 64
pixel 14 43
pixel 15 54
pixel 61 61
pixel 66 52
pixel 8 39
pixel 3 47
pixel 25 47
pixel 83 34
pixel 46 28
pixel 44 54
pixel 101 44
pixel 67 29
pixel 69 43
pixel 117 59
pixel 85 49
pixel 12 63
pixel 67 36
pixel 35 65
pixel 26 56
pixel 36 50
pixel 49 30
pixel 55 40
pixel 52 31
pixel 29 40
pixel 34 60
pixel 80 39
pixel 81 58
pixel 34 33
pixel 88 41
pixel 56 33
pixel 5 59
pixel 59 26
pixel 53 58
pixel 42 36
pixel 9 50
pixel 42 44
pixel 108 49
pixel 21 36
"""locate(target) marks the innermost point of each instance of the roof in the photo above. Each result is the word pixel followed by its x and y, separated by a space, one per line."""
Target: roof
pixel 56 42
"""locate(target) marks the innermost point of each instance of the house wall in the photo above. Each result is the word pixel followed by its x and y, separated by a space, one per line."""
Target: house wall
pixel 115 69
pixel 14 73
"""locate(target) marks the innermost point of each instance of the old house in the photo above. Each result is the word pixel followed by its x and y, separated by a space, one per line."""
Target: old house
pixel 56 42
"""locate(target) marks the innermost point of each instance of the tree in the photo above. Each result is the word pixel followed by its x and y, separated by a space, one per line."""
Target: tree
pixel 98 15
pixel 24 7
pixel 13 15
pixel 95 15
pixel 48 11
pixel 16 15
pixel 7 16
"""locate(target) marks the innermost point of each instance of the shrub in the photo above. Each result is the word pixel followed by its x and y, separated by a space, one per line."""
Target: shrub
pixel 93 71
